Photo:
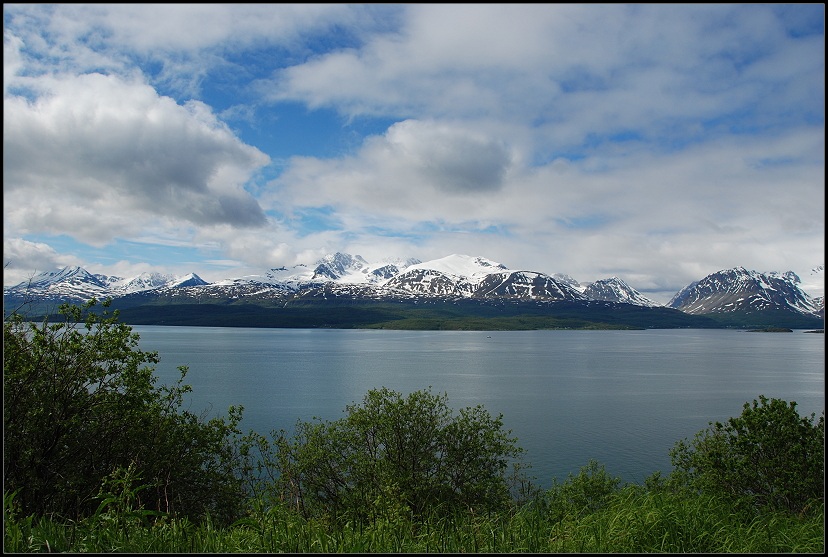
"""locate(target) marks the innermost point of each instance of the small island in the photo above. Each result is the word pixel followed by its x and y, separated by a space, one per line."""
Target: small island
pixel 771 330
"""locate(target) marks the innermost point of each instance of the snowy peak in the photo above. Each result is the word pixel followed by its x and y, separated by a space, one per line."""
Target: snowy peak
pixel 346 276
pixel 154 281
pixel 614 289
pixel 461 266
pixel 738 289
pixel 339 268
pixel 74 276
pixel 525 285
pixel 336 266
pixel 477 277
pixel 78 285
pixel 190 279
pixel 789 276
pixel 453 275
pixel 144 281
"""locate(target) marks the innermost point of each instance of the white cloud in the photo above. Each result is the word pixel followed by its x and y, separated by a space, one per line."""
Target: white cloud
pixel 575 74
pixel 97 157
pixel 22 259
pixel 415 170
pixel 187 40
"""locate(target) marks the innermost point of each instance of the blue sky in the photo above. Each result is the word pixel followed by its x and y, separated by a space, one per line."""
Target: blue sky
pixel 655 143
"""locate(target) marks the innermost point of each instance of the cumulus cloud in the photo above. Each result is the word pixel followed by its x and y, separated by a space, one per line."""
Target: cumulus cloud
pixel 21 259
pixel 417 169
pixel 446 158
pixel 96 149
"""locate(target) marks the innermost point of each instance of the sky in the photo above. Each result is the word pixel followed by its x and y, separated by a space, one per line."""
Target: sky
pixel 656 143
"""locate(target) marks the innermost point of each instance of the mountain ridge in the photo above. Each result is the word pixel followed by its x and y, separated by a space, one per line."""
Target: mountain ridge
pixel 350 279
pixel 738 289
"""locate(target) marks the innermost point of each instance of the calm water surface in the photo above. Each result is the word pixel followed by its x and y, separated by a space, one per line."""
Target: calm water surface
pixel 622 397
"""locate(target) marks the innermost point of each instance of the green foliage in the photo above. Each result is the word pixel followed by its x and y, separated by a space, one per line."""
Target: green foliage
pixel 631 520
pixel 769 458
pixel 393 456
pixel 580 495
pixel 79 404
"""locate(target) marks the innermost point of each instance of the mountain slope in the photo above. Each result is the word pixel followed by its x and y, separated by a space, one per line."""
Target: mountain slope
pixel 740 290
pixel 614 289
pixel 76 285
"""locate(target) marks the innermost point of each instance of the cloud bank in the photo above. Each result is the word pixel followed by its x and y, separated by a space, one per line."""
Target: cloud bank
pixel 656 143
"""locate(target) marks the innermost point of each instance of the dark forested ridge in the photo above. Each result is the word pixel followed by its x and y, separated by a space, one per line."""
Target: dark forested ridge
pixel 456 314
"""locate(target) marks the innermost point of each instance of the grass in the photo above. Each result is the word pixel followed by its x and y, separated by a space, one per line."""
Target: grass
pixel 630 520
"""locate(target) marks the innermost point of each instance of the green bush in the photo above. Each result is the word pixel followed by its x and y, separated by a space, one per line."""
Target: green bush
pixel 768 457
pixel 79 404
pixel 579 495
pixel 396 456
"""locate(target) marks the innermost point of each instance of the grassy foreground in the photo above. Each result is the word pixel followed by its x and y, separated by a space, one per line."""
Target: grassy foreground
pixel 631 520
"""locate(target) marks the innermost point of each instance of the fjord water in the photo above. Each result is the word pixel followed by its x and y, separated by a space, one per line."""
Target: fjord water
pixel 622 397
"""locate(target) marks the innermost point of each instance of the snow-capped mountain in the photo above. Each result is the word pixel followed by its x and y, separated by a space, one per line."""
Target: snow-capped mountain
pixel 738 289
pixel 614 289
pixel 343 276
pixel 525 284
pixel 69 283
pixel 152 281
pixel 339 268
pixel 340 276
pixel 75 284
pixel 454 275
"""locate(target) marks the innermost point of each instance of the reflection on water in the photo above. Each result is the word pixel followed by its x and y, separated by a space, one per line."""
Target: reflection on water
pixel 623 397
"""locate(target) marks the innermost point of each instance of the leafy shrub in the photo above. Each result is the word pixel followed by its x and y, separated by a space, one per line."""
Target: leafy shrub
pixel 79 404
pixel 394 455
pixel 580 495
pixel 768 457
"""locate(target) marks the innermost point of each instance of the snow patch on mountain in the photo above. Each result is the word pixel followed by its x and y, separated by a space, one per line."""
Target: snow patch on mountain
pixel 455 276
pixel 525 285
pixel 614 289
pixel 678 299
pixel 738 289
pixel 78 285
pixel 473 269
pixel 566 279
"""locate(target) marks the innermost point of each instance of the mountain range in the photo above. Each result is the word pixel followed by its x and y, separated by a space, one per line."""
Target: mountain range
pixel 349 279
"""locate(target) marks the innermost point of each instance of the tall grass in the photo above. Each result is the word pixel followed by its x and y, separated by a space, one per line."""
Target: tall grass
pixel 630 520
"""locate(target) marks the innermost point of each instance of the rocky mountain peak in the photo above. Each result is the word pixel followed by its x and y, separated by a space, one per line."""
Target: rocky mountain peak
pixel 615 289
pixel 337 265
pixel 738 289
